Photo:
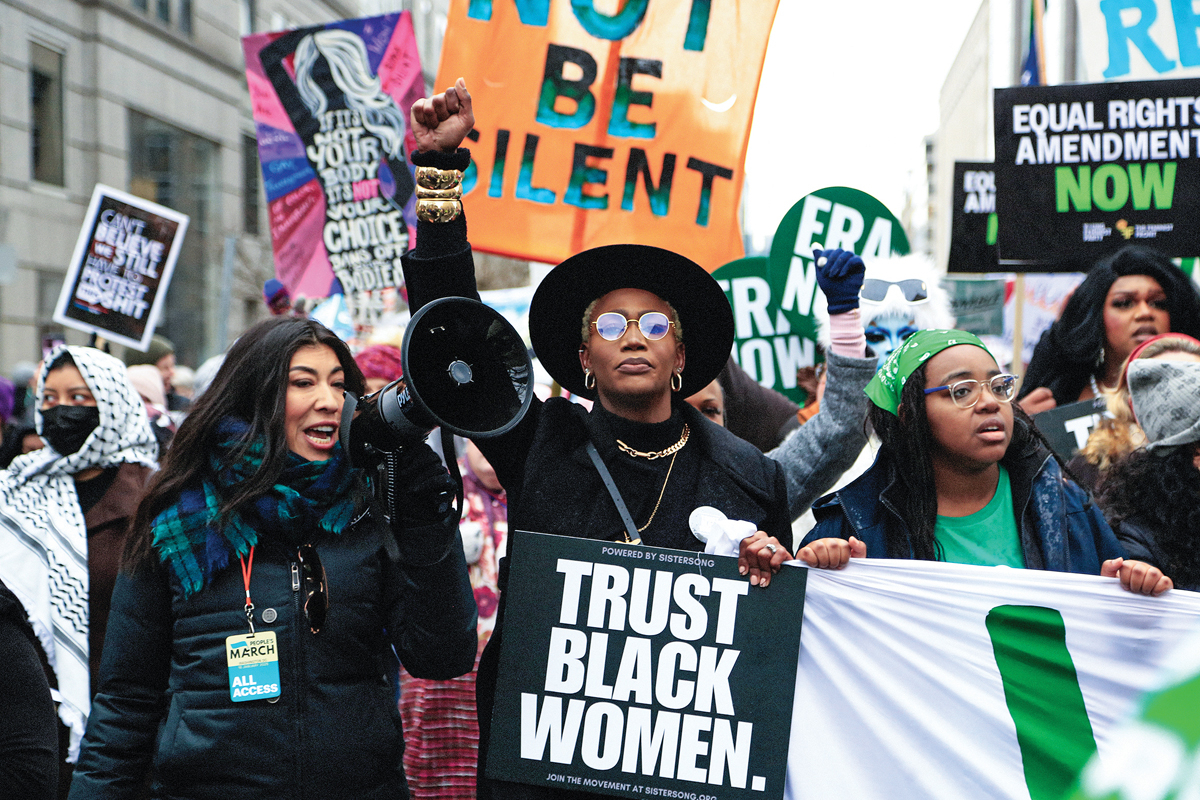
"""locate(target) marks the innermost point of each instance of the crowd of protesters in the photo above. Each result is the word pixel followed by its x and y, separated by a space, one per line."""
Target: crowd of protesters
pixel 146 535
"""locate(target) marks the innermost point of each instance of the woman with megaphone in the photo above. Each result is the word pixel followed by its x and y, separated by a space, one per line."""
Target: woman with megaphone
pixel 637 329
pixel 264 596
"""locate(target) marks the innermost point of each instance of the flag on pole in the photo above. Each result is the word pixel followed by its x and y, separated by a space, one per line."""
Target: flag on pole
pixel 1033 72
pixel 944 681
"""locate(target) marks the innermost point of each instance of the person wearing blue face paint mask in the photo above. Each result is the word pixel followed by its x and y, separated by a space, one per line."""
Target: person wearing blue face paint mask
pixel 900 296
pixel 68 505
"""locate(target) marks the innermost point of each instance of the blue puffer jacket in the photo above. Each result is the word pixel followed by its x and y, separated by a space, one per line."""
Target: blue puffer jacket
pixel 1060 528
pixel 164 704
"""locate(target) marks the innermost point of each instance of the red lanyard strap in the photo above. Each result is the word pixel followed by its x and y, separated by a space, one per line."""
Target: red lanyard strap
pixel 246 570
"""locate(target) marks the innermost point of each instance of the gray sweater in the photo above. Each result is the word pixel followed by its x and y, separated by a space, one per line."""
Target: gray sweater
pixel 816 454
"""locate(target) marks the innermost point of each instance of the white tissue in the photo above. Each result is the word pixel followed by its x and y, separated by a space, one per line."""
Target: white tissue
pixel 721 536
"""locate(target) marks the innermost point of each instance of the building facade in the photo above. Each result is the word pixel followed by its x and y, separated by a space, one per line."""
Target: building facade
pixel 146 96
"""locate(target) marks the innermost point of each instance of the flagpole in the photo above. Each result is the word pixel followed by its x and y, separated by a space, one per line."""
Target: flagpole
pixel 1039 12
pixel 1018 357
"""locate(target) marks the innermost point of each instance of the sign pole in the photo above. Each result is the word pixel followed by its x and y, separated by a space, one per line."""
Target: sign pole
pixel 1018 356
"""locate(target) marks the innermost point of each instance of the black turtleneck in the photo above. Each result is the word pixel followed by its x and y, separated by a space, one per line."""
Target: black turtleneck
pixel 640 480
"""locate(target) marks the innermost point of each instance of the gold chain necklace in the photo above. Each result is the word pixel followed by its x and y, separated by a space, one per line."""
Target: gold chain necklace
pixel 662 491
pixel 656 454
pixel 671 451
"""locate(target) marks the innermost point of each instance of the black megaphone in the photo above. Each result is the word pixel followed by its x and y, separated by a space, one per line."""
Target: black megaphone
pixel 466 369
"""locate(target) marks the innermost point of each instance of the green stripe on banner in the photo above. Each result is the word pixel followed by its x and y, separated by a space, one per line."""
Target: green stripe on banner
pixel 1041 688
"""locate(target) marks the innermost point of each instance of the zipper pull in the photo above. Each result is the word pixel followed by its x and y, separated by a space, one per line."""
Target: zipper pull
pixel 295 577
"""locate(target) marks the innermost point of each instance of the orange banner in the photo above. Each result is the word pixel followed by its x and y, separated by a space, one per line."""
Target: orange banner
pixel 598 128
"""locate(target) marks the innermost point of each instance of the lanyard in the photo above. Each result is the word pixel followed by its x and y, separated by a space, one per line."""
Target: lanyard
pixel 246 570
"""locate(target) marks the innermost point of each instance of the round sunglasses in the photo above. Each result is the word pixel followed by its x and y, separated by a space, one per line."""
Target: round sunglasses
pixel 612 326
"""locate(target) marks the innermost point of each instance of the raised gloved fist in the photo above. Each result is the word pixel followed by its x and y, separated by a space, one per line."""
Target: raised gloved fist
pixel 840 275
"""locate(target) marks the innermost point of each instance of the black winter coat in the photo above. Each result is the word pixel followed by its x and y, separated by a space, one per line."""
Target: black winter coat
pixel 1140 540
pixel 164 698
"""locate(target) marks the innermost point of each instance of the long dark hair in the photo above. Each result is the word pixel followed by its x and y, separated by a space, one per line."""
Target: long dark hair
pixel 1069 351
pixel 1162 493
pixel 907 442
pixel 251 386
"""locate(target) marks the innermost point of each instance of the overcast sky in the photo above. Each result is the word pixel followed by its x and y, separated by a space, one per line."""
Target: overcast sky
pixel 848 93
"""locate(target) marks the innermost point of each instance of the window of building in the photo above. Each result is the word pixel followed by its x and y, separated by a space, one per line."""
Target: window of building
pixel 167 12
pixel 49 284
pixel 251 198
pixel 248 10
pixel 46 114
pixel 179 170
pixel 185 16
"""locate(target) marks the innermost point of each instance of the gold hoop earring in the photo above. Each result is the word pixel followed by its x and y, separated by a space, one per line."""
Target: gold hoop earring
pixel 677 381
pixel 587 375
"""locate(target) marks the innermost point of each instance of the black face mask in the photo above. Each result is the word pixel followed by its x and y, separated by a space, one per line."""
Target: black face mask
pixel 66 428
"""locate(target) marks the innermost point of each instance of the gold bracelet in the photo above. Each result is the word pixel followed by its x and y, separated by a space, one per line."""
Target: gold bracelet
pixel 438 210
pixel 434 178
pixel 453 193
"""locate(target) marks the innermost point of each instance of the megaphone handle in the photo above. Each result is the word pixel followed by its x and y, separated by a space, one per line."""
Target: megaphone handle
pixel 450 453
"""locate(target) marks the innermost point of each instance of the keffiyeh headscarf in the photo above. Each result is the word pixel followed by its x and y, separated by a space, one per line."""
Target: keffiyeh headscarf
pixel 43 537
pixel 888 384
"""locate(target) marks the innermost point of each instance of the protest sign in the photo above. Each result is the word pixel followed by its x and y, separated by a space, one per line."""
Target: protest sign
pixel 973 219
pixel 946 681
pixel 117 281
pixel 775 332
pixel 595 128
pixel 331 106
pixel 1138 39
pixel 643 672
pixel 1067 427
pixel 977 304
pixel 1083 170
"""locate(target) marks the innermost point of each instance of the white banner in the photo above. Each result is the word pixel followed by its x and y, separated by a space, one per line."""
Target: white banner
pixel 1138 40
pixel 945 681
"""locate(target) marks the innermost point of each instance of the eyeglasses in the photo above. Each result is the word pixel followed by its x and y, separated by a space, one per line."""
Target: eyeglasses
pixel 966 394
pixel 653 325
pixel 316 588
pixel 913 289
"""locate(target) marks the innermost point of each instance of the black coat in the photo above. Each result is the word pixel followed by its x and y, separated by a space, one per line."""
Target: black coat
pixel 29 732
pixel 164 700
pixel 1140 540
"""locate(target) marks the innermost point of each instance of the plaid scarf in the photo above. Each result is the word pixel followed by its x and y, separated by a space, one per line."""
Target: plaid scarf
pixel 189 536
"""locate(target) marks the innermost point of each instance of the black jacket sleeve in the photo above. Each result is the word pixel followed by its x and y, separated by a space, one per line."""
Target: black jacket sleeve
pixel 29 734
pixel 126 711
pixel 441 264
pixel 433 617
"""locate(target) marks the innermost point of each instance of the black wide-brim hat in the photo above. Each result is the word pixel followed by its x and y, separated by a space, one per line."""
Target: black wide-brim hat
pixel 556 311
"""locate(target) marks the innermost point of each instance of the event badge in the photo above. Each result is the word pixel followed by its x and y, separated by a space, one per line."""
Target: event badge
pixel 253 661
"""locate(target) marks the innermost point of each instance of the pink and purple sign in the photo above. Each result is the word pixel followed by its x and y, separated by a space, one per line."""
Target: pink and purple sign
pixel 331 105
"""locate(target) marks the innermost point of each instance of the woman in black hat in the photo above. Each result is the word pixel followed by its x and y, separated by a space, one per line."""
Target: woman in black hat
pixel 637 329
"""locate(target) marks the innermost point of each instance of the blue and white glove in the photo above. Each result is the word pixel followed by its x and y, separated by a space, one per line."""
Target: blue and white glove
pixel 840 275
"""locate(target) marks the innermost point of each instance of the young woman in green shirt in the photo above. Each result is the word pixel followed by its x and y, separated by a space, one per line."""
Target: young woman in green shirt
pixel 962 474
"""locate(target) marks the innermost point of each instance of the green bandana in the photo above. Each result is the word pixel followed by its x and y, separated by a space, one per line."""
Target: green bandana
pixel 885 388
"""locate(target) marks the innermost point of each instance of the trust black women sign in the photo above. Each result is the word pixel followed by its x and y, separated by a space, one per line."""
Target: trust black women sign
pixel 644 672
